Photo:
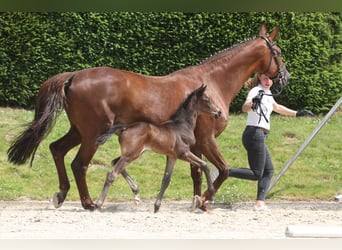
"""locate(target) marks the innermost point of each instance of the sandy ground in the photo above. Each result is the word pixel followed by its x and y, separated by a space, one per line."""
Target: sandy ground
pixel 40 220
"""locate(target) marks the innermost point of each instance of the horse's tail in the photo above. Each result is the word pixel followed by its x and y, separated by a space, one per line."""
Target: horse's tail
pixel 49 104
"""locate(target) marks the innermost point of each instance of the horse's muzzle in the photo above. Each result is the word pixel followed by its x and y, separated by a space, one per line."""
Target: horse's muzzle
pixel 284 77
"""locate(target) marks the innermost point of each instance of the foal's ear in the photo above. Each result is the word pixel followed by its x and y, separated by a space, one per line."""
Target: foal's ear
pixel 201 90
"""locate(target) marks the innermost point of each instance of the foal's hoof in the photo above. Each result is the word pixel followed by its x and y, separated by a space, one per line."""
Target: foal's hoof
pixel 57 200
pixel 98 205
pixel 157 206
pixel 136 201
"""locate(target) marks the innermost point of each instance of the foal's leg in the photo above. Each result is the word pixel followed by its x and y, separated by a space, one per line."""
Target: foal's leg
pixel 170 163
pixel 59 149
pixel 133 185
pixel 194 160
pixel 118 167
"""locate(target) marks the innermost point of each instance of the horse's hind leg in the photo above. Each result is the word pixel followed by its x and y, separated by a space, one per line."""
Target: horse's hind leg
pixel 59 149
pixel 80 166
pixel 170 163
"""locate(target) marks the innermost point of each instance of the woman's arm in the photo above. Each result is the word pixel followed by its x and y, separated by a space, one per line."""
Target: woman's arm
pixel 247 106
pixel 281 109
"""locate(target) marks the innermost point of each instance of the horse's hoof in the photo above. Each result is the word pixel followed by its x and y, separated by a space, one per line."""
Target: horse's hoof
pixel 204 208
pixel 57 201
pixel 89 206
pixel 196 202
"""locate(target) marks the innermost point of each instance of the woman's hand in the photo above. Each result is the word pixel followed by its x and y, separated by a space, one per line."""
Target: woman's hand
pixel 303 112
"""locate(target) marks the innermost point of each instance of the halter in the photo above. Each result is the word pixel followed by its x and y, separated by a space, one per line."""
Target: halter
pixel 281 70
pixel 278 78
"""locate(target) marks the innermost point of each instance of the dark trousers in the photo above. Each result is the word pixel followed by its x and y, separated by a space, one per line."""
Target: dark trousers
pixel 259 159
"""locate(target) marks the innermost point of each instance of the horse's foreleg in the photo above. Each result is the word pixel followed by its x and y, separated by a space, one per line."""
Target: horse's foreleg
pixel 212 153
pixel 58 150
pixel 133 185
pixel 79 167
pixel 170 163
pixel 117 168
pixel 194 160
pixel 196 175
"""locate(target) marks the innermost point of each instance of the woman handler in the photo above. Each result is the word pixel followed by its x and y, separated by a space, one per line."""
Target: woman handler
pixel 259 105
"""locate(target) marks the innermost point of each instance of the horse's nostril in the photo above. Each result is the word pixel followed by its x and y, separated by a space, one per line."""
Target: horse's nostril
pixel 218 114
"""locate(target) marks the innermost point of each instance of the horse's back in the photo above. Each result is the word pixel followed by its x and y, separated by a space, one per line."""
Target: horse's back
pixel 128 96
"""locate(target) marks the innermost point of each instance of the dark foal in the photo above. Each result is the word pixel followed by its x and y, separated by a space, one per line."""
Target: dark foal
pixel 172 138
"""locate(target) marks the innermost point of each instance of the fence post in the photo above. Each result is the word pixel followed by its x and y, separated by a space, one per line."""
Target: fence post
pixel 306 143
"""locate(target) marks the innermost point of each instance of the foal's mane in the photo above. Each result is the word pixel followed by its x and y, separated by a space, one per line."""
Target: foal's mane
pixel 182 107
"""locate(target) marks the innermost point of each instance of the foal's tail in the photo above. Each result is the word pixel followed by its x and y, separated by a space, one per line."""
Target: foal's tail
pixel 49 104
pixel 115 129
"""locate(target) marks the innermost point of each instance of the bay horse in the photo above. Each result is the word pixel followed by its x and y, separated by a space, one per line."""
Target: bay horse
pixel 96 98
pixel 172 138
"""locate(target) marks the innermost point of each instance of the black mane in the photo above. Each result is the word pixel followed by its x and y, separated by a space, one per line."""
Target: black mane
pixel 183 106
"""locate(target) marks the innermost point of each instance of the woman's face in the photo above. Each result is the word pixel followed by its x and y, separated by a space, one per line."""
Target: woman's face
pixel 265 81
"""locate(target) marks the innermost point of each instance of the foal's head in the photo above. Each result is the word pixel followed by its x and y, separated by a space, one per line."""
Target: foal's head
pixel 197 102
pixel 203 103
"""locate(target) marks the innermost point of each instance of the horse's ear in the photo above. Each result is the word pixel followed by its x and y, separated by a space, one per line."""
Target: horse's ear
pixel 262 29
pixel 274 34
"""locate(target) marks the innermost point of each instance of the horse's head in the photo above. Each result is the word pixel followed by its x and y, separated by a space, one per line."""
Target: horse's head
pixel 204 103
pixel 275 67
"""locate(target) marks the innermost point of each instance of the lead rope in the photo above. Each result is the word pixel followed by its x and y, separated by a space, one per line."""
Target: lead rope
pixel 258 106
pixel 261 113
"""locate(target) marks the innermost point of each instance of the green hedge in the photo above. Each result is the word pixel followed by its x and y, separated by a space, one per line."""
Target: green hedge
pixel 35 46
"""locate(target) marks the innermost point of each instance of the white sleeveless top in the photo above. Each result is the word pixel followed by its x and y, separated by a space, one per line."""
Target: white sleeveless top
pixel 253 118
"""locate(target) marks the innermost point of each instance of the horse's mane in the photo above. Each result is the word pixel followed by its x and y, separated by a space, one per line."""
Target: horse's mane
pixel 182 107
pixel 223 52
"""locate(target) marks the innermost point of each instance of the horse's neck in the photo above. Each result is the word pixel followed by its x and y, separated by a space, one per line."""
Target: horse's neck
pixel 228 70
